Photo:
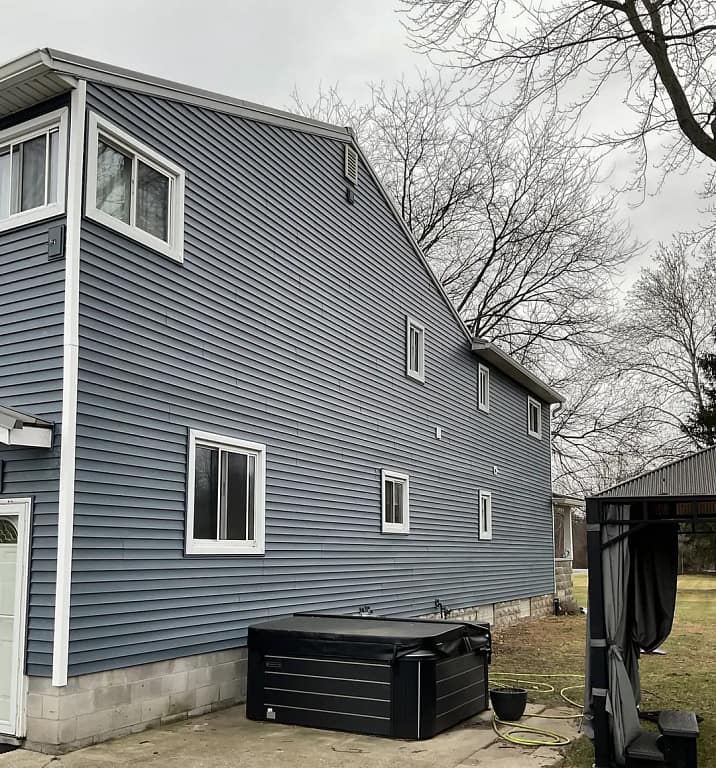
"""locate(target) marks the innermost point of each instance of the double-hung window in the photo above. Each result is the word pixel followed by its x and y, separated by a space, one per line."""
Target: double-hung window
pixel 414 349
pixel 134 190
pixel 485 515
pixel 395 494
pixel 534 418
pixel 33 167
pixel 483 388
pixel 225 496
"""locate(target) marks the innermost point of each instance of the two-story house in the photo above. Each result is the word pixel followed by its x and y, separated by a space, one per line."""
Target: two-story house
pixel 230 388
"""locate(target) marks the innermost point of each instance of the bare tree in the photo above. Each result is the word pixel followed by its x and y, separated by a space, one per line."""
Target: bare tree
pixel 669 322
pixel 612 424
pixel 659 54
pixel 425 145
pixel 507 210
pixel 511 216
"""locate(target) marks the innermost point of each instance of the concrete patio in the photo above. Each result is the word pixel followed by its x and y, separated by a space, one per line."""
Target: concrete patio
pixel 226 739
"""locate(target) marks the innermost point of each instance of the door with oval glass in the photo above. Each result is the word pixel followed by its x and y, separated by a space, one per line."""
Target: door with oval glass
pixel 14 527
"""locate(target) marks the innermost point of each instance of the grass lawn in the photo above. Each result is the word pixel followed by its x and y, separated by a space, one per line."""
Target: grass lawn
pixel 683 679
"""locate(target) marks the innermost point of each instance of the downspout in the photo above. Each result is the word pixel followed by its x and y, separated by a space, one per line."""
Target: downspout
pixel 70 350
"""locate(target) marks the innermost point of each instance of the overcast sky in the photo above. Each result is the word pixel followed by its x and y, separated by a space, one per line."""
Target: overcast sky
pixel 259 50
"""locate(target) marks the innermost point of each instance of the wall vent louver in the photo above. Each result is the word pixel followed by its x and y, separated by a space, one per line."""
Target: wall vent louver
pixel 350 164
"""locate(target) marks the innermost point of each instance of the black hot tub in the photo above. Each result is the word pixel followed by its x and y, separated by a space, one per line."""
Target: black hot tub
pixel 407 679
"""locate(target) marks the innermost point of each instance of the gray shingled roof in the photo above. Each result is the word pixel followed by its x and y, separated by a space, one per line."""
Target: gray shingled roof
pixel 694 475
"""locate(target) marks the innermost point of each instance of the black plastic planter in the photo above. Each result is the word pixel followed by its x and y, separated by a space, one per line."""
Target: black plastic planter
pixel 509 703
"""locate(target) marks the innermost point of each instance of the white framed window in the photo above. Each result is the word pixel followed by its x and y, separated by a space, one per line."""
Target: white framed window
pixel 134 190
pixel 485 515
pixel 414 349
pixel 33 170
pixel 483 388
pixel 225 501
pixel 534 418
pixel 395 501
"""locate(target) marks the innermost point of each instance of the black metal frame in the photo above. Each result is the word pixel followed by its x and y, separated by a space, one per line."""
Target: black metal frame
pixel 598 670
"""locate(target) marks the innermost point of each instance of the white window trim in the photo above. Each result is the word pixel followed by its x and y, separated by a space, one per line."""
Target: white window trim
pixel 530 402
pixel 485 533
pixel 486 405
pixel 28 130
pixel 404 527
pixel 205 547
pixel 418 375
pixel 174 249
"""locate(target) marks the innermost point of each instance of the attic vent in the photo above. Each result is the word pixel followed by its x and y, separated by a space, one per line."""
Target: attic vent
pixel 350 166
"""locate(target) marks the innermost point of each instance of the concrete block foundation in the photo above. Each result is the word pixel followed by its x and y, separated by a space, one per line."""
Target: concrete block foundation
pixel 96 707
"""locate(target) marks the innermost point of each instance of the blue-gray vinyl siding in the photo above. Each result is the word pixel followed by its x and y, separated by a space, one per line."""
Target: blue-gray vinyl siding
pixel 31 325
pixel 285 325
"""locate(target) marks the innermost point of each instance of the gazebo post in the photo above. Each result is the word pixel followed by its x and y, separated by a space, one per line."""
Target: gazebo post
pixel 598 682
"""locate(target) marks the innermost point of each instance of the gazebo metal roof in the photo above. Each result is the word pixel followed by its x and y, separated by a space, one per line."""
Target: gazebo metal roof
pixel 693 475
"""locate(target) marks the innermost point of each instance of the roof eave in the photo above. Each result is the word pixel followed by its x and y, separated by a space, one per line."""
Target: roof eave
pixel 503 362
pixel 96 71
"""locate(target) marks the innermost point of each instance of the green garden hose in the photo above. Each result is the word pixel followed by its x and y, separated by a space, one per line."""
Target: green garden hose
pixel 528 735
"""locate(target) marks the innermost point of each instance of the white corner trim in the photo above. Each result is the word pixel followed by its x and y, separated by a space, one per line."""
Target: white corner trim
pixel 404 527
pixel 65 512
pixel 174 247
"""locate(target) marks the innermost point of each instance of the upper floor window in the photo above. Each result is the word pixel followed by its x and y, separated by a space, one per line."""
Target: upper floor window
pixel 483 387
pixel 133 189
pixel 225 496
pixel 414 349
pixel 33 162
pixel 534 417
pixel 485 515
pixel 395 494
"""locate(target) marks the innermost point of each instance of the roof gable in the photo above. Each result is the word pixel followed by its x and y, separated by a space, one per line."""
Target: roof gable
pixel 46 73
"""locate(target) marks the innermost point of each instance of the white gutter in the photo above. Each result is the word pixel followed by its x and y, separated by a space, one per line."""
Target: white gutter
pixel 65 512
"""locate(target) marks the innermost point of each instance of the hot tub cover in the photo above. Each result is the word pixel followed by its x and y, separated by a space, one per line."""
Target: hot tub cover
pixel 375 636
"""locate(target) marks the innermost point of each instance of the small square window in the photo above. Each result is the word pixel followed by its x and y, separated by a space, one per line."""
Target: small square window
pixel 225 496
pixel 483 388
pixel 134 190
pixel 414 349
pixel 395 493
pixel 534 418
pixel 485 515
pixel 33 166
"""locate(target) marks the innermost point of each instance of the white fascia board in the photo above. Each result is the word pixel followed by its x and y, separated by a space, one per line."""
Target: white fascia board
pixel 27 437
pixel 96 71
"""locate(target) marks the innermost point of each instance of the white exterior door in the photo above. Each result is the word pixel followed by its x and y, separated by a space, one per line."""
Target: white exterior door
pixel 14 552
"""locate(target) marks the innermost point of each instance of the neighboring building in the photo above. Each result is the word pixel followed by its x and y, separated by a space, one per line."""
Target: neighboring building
pixel 230 388
pixel 563 510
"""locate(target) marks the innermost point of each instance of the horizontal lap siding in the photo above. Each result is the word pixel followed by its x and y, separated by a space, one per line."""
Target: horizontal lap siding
pixel 285 325
pixel 31 327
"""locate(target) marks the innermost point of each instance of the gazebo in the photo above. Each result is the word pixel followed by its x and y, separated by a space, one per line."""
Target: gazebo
pixel 632 547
